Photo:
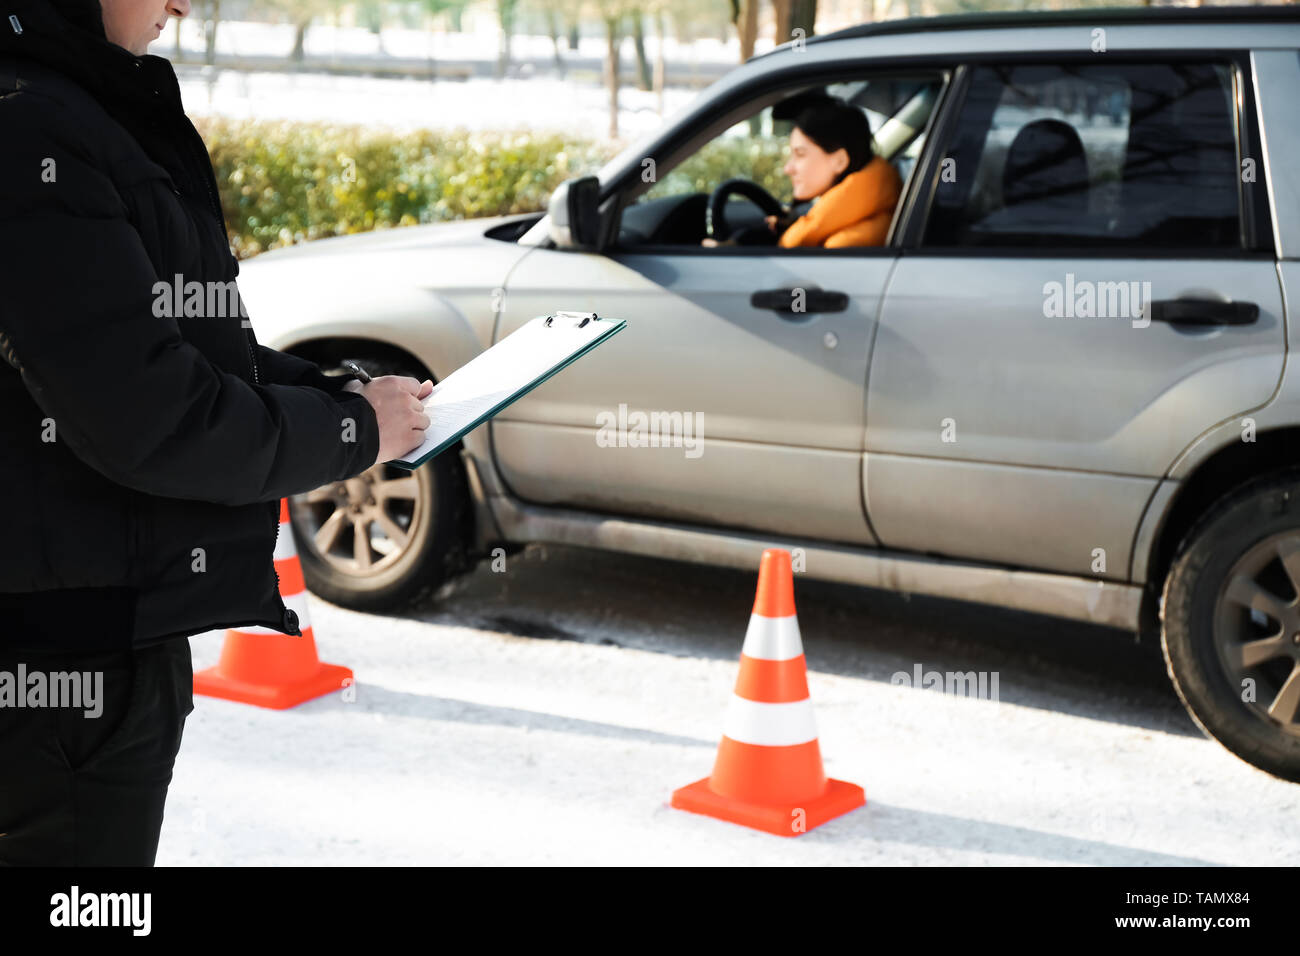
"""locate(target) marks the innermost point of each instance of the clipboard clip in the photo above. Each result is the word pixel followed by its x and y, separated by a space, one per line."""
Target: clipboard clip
pixel 579 319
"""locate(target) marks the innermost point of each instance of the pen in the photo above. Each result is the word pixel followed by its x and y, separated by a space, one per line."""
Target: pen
pixel 358 371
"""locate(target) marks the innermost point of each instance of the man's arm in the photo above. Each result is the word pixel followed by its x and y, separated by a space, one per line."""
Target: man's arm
pixel 131 397
pixel 281 368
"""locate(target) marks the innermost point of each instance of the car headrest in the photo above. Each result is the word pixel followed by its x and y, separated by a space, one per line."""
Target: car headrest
pixel 1046 164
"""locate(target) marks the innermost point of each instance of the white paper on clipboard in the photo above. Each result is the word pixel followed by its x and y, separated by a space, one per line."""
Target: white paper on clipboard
pixel 506 372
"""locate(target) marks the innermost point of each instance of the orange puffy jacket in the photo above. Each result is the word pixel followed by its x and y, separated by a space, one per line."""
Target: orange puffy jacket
pixel 856 211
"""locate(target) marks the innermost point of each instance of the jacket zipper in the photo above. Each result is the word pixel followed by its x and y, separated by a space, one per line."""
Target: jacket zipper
pixel 205 171
pixel 252 356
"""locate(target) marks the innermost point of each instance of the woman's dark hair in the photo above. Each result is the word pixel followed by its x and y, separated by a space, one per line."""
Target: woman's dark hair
pixel 836 124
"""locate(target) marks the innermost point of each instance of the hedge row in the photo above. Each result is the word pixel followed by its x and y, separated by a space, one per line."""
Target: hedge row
pixel 283 183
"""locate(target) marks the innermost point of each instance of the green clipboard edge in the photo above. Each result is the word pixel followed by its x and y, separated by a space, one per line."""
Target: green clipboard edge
pixel 618 325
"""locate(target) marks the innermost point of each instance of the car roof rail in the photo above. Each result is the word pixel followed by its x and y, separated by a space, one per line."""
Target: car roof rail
pixel 1084 16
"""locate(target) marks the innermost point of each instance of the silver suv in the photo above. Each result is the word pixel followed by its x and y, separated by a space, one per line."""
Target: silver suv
pixel 1061 385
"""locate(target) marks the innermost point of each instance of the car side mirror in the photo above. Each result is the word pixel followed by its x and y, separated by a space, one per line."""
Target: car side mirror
pixel 575 214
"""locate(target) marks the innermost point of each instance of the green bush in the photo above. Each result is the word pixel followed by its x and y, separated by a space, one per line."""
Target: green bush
pixel 283 183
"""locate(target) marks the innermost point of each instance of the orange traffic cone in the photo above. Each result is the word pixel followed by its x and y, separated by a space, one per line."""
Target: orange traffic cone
pixel 268 668
pixel 768 774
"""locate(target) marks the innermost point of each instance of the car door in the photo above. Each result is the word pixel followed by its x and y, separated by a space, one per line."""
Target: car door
pixel 1089 289
pixel 759 352
pixel 770 403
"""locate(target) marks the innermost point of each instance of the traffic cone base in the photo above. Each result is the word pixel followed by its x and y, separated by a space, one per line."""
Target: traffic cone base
pixel 785 819
pixel 331 677
pixel 265 667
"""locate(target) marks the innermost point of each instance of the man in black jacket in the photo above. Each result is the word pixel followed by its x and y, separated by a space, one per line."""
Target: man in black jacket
pixel 143 452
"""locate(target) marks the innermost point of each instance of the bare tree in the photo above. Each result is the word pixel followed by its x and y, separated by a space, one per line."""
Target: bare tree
pixel 434 8
pixel 612 40
pixel 780 21
pixel 371 15
pixel 803 16
pixel 552 17
pixel 210 20
pixel 747 27
pixel 562 18
pixel 643 78
pixel 661 36
pixel 613 14
pixel 301 13
pixel 506 10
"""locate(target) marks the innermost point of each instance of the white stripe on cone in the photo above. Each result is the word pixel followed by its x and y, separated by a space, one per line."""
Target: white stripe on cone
pixel 769 725
pixel 772 638
pixel 294 602
pixel 284 548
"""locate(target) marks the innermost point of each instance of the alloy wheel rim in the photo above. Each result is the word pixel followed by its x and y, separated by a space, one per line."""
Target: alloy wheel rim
pixel 1257 629
pixel 364 525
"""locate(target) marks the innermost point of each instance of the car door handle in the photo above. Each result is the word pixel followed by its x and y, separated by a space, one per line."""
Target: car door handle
pixel 783 301
pixel 1203 312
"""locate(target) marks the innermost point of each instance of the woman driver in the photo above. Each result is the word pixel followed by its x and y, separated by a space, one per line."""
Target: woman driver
pixel 831 161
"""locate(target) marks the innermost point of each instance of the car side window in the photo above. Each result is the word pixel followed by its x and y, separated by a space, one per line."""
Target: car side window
pixel 1114 155
pixel 673 210
pixel 752 148
pixel 756 149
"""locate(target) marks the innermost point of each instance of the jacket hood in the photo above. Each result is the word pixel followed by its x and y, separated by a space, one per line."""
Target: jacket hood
pixel 68 36
pixel 85 15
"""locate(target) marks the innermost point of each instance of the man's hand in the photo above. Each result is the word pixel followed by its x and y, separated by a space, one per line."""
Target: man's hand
pixel 397 401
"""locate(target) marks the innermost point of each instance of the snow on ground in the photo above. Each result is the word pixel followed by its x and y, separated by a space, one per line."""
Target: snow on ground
pixel 467 744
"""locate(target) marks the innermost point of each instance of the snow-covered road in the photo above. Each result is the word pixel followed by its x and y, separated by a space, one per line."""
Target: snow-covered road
pixel 545 714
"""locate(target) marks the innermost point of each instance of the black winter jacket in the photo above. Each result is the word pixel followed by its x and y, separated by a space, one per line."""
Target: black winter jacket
pixel 142 454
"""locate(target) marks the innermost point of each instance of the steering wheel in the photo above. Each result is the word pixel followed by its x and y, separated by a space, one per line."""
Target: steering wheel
pixel 716 219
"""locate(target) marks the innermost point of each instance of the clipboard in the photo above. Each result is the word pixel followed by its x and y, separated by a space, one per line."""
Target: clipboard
pixel 503 374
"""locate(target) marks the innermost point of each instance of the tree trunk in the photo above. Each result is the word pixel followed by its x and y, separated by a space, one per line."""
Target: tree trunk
pixel 781 18
pixel 660 63
pixel 612 40
pixel 553 28
pixel 506 14
pixel 803 15
pixel 643 81
pixel 210 53
pixel 748 28
pixel 299 39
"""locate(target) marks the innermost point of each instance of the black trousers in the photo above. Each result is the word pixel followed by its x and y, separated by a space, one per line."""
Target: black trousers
pixel 81 790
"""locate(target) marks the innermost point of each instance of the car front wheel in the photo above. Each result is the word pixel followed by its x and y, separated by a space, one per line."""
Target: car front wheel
pixel 388 537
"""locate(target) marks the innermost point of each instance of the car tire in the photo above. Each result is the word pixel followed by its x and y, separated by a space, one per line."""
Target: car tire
pixel 417 526
pixel 1231 623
